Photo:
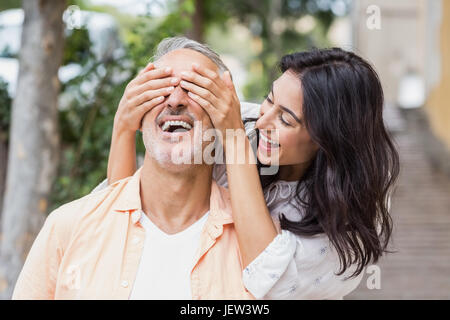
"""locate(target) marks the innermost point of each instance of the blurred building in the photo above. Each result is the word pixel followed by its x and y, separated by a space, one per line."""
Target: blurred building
pixel 408 42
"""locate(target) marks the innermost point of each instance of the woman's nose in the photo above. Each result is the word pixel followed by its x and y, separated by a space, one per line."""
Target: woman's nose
pixel 266 118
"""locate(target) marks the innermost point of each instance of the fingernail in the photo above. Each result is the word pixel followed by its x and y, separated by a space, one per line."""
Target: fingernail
pixel 183 83
pixel 167 70
pixel 170 89
pixel 174 80
pixel 184 73
pixel 195 65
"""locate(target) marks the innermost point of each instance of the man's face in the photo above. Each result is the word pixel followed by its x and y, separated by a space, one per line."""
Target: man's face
pixel 173 130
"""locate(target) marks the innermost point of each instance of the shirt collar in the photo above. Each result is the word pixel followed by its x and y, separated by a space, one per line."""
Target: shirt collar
pixel 129 200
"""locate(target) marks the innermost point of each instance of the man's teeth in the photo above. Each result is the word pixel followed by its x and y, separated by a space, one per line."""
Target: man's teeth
pixel 267 140
pixel 183 124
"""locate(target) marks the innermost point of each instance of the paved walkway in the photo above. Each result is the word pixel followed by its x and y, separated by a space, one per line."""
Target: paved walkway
pixel 420 269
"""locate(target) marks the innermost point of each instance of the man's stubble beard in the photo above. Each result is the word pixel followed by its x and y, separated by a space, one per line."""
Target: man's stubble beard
pixel 168 157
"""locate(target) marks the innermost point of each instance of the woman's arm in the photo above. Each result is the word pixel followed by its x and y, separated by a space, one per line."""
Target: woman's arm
pixel 141 95
pixel 122 155
pixel 254 226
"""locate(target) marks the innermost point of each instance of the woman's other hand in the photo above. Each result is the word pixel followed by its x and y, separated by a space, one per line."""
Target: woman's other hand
pixel 143 93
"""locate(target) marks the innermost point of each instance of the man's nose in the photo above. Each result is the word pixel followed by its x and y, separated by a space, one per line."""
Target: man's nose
pixel 178 98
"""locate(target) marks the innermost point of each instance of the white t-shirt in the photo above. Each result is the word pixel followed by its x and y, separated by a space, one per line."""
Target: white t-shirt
pixel 166 262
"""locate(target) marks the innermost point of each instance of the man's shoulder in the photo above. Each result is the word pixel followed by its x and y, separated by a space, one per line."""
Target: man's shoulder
pixel 249 110
pixel 89 205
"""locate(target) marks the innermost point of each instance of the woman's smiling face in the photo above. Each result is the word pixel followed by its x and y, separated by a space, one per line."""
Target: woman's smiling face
pixel 281 124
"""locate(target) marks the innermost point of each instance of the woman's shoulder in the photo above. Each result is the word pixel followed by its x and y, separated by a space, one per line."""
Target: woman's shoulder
pixel 281 197
pixel 249 110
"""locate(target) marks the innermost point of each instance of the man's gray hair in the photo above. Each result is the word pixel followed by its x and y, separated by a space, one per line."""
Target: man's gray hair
pixel 170 44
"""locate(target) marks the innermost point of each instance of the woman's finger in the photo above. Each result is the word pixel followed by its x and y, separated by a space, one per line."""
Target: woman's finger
pixel 148 67
pixel 207 73
pixel 151 75
pixel 227 79
pixel 202 92
pixel 153 85
pixel 147 106
pixel 201 81
pixel 149 95
pixel 205 104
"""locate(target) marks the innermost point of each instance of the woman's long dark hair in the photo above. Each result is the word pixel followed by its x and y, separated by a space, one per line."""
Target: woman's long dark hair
pixel 345 191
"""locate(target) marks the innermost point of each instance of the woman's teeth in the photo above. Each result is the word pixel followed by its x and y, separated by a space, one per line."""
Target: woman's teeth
pixel 268 141
pixel 166 126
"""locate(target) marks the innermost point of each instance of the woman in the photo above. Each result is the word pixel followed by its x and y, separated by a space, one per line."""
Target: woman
pixel 329 196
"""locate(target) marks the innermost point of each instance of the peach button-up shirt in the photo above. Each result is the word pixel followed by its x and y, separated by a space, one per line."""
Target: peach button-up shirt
pixel 90 248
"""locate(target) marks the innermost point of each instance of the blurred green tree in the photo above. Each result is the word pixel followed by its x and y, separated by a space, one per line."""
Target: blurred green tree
pixel 10 4
pixel 5 118
pixel 274 28
pixel 33 136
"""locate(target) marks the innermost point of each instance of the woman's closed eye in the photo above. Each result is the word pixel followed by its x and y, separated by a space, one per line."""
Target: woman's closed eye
pixel 284 122
pixel 280 114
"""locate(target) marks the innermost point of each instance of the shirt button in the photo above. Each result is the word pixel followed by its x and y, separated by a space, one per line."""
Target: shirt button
pixel 124 283
pixel 135 216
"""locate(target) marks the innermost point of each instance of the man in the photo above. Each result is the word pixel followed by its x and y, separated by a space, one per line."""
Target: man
pixel 165 233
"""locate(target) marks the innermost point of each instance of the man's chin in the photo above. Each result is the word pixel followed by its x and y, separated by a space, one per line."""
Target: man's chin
pixel 175 156
pixel 169 166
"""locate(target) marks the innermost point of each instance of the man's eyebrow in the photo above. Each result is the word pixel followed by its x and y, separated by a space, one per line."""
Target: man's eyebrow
pixel 286 109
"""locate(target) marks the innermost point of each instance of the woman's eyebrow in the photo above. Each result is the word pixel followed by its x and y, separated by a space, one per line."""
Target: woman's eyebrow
pixel 286 109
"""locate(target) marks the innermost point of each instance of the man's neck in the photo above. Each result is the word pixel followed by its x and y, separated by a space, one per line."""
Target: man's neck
pixel 174 200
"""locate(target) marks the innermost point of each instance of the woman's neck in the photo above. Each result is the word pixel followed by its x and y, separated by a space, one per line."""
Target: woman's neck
pixel 293 172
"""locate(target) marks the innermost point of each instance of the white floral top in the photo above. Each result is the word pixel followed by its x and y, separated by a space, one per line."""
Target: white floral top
pixel 292 266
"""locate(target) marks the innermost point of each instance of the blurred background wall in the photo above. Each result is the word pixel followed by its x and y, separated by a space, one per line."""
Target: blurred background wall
pixel 410 50
pixel 412 42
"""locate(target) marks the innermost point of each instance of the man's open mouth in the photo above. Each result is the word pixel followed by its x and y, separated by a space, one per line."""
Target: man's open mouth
pixel 172 124
pixel 179 126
